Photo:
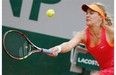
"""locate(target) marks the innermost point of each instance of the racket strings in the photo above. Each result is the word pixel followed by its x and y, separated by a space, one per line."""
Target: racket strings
pixel 16 45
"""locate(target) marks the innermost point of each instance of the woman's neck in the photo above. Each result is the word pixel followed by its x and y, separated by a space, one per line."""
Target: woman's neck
pixel 95 30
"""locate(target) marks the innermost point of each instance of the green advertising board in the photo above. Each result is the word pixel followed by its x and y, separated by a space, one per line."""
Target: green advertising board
pixel 87 61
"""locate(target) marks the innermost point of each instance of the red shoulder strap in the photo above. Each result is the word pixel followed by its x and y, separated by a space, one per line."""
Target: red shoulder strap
pixel 88 37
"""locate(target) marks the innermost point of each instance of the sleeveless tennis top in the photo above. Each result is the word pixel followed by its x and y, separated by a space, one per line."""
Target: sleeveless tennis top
pixel 103 52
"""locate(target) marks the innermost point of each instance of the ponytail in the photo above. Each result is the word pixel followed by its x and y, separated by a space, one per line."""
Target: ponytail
pixel 108 21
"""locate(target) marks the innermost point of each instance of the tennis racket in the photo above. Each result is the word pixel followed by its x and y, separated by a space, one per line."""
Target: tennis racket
pixel 19 47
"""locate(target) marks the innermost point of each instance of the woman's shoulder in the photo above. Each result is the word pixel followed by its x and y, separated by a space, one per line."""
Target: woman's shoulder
pixel 82 35
pixel 82 32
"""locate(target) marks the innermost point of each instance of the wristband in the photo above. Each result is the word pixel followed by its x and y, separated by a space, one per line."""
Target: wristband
pixel 59 49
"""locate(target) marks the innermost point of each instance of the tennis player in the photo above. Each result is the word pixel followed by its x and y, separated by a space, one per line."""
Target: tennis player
pixel 98 37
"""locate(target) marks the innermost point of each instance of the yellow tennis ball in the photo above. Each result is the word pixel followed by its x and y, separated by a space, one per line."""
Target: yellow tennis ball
pixel 50 12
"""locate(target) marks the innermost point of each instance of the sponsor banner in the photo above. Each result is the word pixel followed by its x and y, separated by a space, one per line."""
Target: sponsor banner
pixel 87 61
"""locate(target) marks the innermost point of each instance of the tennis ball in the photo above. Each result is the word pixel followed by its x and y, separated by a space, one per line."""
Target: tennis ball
pixel 50 12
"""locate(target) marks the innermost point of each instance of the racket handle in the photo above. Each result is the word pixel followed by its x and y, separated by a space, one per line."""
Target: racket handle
pixel 47 51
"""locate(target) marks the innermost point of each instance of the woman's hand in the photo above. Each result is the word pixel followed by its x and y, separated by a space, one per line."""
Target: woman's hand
pixel 96 74
pixel 56 50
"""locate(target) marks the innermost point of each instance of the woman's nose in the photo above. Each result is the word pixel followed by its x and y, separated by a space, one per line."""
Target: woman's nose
pixel 87 16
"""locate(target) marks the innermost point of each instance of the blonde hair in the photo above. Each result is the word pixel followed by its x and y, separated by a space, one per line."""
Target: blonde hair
pixel 108 19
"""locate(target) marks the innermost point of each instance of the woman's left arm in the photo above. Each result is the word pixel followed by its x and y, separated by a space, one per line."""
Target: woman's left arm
pixel 109 33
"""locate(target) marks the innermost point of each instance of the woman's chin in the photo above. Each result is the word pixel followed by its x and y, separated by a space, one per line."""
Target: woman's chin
pixel 89 25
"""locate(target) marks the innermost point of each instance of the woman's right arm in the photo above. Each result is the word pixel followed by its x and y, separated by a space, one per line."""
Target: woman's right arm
pixel 67 46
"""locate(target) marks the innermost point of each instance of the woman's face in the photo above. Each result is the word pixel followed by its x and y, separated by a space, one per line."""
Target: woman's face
pixel 92 18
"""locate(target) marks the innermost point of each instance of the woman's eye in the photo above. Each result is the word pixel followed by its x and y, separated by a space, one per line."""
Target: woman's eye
pixel 91 12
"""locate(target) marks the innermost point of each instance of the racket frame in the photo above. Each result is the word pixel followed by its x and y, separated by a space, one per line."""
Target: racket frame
pixel 37 49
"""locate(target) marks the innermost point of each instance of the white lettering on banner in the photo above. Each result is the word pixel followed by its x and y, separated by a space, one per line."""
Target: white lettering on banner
pixel 88 61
